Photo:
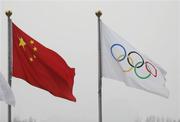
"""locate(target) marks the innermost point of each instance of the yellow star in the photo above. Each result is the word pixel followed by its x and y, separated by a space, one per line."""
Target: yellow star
pixel 31 59
pixel 31 42
pixel 35 48
pixel 22 42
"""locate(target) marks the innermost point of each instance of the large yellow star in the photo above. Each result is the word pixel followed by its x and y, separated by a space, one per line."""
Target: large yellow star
pixel 22 42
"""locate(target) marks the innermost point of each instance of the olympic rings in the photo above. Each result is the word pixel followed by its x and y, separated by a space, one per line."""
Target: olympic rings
pixel 148 66
pixel 145 77
pixel 123 56
pixel 141 64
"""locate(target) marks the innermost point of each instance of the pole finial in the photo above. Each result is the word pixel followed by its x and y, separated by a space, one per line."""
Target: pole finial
pixel 98 13
pixel 8 13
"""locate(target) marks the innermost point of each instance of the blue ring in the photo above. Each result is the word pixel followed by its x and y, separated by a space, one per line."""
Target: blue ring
pixel 113 54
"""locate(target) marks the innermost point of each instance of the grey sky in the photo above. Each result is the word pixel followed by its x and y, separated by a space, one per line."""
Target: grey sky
pixel 70 28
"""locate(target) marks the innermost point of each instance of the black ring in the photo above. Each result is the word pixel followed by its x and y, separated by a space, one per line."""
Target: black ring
pixel 139 56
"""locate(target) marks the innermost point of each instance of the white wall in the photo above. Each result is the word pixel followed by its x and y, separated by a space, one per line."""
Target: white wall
pixel 70 28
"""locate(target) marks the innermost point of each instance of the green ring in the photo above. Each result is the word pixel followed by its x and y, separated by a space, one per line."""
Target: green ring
pixel 135 67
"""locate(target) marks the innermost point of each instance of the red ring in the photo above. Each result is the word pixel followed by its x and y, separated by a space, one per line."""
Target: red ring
pixel 155 75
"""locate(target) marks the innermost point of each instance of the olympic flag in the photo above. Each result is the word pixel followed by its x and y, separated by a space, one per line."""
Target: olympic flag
pixel 122 62
pixel 6 93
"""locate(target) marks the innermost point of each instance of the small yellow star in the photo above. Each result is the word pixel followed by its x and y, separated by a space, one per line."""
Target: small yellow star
pixel 35 48
pixel 22 42
pixel 31 42
pixel 31 59
pixel 34 56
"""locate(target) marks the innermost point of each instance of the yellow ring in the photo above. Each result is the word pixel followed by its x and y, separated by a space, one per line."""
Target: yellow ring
pixel 128 70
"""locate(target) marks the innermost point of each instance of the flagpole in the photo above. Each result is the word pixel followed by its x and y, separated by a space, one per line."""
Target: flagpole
pixel 8 14
pixel 98 14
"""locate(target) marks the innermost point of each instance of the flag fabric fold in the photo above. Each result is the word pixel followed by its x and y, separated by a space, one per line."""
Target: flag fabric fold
pixel 40 66
pixel 6 93
pixel 122 62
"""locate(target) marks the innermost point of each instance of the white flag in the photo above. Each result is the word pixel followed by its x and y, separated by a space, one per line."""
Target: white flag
pixel 122 62
pixel 6 93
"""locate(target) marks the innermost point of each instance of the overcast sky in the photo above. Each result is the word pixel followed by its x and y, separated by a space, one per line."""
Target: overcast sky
pixel 70 29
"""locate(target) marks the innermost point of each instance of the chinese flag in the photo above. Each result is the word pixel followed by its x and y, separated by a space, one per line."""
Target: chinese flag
pixel 40 66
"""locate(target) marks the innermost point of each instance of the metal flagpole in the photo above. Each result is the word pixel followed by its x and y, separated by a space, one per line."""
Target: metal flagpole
pixel 8 14
pixel 98 14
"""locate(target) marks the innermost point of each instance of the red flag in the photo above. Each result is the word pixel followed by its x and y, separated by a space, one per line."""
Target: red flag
pixel 40 66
